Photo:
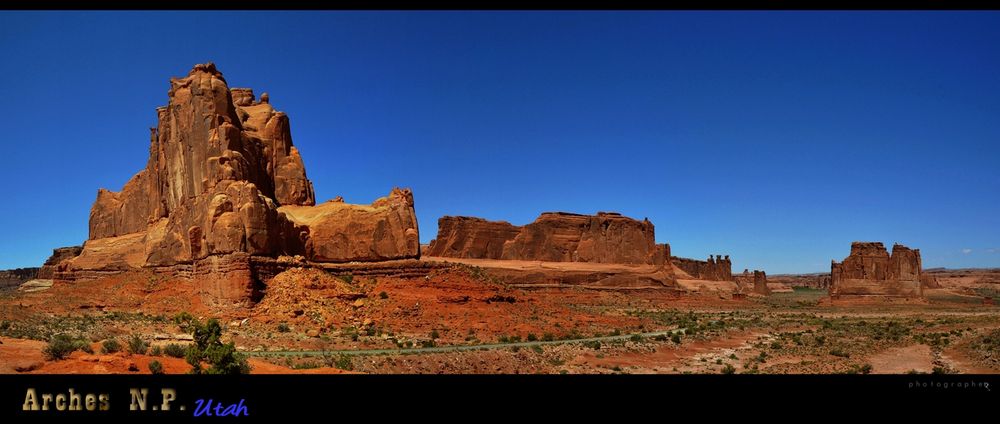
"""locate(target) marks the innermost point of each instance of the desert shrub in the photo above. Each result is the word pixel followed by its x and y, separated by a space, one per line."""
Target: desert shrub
pixel 593 344
pixel 434 334
pixel 537 349
pixel 155 351
pixel 676 338
pixel 347 278
pixel 156 367
pixel 532 337
pixel 383 295
pixel 137 346
pixel 208 347
pixel 59 347
pixel 548 337
pixel 182 318
pixel 728 369
pixel 427 343
pixel 839 353
pixel 110 346
pixel 283 328
pixel 636 338
pixel 344 362
pixel 174 350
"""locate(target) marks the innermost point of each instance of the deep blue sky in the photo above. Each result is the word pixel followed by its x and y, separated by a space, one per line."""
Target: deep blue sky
pixel 775 137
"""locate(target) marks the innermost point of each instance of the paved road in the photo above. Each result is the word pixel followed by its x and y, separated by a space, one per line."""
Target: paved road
pixel 459 348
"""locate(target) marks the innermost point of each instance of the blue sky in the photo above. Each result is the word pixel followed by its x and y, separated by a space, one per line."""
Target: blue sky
pixel 774 137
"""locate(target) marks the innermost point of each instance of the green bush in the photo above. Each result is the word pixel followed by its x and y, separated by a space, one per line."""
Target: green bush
pixel 221 357
pixel 434 334
pixel 548 337
pixel 156 367
pixel 636 338
pixel 59 347
pixel 110 346
pixel 174 350
pixel 676 338
pixel 155 351
pixel 347 278
pixel 183 318
pixel 283 328
pixel 137 346
pixel 728 369
pixel 344 362
pixel 383 295
pixel 532 337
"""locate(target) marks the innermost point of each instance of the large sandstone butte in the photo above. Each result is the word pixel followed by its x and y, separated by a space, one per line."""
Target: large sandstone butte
pixel 716 268
pixel 224 185
pixel 871 271
pixel 607 237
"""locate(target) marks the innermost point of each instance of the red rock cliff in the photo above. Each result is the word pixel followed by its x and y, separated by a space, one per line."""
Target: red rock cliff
pixel 555 236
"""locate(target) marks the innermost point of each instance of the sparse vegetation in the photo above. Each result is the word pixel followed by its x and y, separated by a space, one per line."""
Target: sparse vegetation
pixel 110 346
pixel 136 345
pixel 156 367
pixel 174 350
pixel 283 328
pixel 60 346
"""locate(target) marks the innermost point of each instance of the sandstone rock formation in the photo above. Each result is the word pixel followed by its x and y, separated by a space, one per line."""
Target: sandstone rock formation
pixel 816 280
pixel 340 232
pixel 16 277
pixel 871 270
pixel 716 268
pixel 224 182
pixel 555 236
pixel 760 283
pixel 470 237
pixel 47 272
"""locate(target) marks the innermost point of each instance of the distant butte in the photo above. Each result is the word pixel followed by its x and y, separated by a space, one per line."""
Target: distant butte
pixel 871 271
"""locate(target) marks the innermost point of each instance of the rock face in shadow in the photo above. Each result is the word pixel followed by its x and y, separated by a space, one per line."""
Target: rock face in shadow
pixel 870 270
pixel 16 277
pixel 716 268
pixel 607 237
pixel 221 179
pixel 48 269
